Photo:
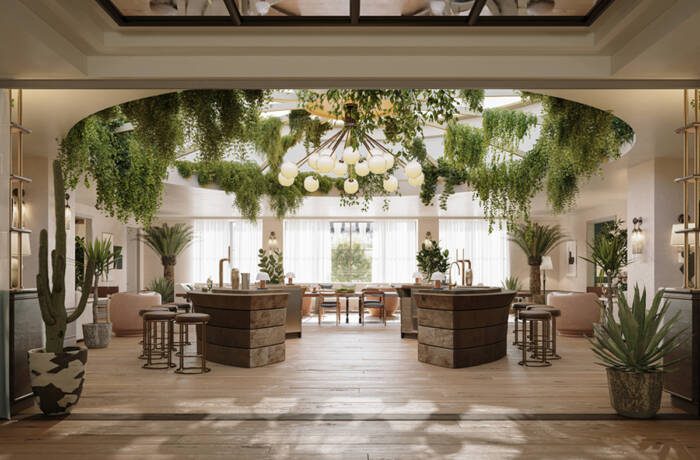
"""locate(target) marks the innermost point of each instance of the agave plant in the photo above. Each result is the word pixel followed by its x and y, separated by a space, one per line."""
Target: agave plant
pixel 640 339
pixel 168 242
pixel 610 255
pixel 164 287
pixel 512 283
pixel 102 255
pixel 536 241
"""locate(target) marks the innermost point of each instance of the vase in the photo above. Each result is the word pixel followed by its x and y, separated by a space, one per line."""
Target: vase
pixel 635 394
pixel 57 378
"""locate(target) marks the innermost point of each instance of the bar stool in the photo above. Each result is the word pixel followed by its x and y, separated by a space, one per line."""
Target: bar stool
pixel 156 343
pixel 552 340
pixel 199 320
pixel 517 308
pixel 143 328
pixel 532 319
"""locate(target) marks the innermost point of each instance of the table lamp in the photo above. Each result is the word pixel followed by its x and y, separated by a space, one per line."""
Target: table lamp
pixel 437 278
pixel 263 278
pixel 290 277
pixel 418 276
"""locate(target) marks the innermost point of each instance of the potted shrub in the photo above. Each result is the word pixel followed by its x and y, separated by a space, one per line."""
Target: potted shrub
pixel 270 262
pixel 632 348
pixel 102 254
pixel 536 241
pixel 431 259
pixel 57 373
pixel 609 253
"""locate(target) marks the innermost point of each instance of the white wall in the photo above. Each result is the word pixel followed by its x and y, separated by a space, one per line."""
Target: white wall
pixel 4 255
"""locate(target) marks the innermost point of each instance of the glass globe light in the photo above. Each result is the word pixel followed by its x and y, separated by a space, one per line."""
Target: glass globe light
pixel 391 184
pixel 310 184
pixel 350 186
pixel 312 161
pixel 284 180
pixel 325 164
pixel 289 170
pixel 377 164
pixel 416 181
pixel 389 159
pixel 362 168
pixel 413 169
pixel 340 169
pixel 350 156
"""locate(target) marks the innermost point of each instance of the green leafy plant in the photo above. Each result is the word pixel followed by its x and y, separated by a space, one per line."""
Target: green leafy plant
pixel 431 259
pixel 608 253
pixel 271 263
pixel 536 241
pixel 168 241
pixel 512 283
pixel 639 339
pixel 164 287
pixel 350 263
pixel 102 255
pixel 79 261
pixel 52 297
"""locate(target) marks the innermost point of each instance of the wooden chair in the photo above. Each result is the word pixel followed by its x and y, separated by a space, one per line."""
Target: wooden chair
pixel 328 300
pixel 373 298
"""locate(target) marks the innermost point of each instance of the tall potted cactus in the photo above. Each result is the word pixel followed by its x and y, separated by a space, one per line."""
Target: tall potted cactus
pixel 58 372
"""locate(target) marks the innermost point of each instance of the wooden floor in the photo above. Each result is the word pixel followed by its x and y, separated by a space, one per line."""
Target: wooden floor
pixel 350 392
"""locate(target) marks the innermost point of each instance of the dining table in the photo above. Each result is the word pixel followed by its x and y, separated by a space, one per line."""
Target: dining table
pixel 339 294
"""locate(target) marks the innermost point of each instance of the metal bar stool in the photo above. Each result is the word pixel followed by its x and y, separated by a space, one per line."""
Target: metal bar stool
pixel 199 320
pixel 532 319
pixel 143 342
pixel 517 308
pixel 159 344
pixel 551 341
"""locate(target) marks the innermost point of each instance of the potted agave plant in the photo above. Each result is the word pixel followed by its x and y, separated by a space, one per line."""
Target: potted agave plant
pixel 58 372
pixel 632 347
pixel 102 255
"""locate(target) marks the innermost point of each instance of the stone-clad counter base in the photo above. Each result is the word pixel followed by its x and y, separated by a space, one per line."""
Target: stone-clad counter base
pixel 462 328
pixel 245 329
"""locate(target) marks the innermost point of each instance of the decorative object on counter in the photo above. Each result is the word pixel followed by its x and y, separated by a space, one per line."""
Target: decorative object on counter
pixel 678 241
pixel 437 278
pixel 290 277
pixel 608 253
pixel 168 241
pixel 536 241
pixel 57 374
pixel 210 284
pixel 222 261
pixel 637 236
pixel 245 281
pixel 235 278
pixel 262 279
pixel 163 287
pixel 101 252
pixel 418 277
pixel 632 348
pixel 270 262
pixel 431 259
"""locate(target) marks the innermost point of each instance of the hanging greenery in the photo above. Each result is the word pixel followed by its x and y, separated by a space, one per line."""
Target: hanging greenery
pixel 506 128
pixel 465 146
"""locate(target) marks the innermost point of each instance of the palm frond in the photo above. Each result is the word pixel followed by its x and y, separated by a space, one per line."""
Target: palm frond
pixel 536 240
pixel 168 241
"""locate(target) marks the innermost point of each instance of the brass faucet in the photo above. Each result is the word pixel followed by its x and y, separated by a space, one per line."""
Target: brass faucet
pixel 221 267
pixel 464 269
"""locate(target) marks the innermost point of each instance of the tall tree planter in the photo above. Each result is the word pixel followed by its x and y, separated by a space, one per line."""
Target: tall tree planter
pixel 536 241
pixel 168 242
pixel 57 373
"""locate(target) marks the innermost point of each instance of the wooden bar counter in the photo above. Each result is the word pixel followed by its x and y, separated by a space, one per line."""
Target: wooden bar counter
pixel 462 327
pixel 246 328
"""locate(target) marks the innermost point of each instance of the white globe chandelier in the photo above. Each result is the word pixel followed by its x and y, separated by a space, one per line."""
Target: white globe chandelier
pixel 336 155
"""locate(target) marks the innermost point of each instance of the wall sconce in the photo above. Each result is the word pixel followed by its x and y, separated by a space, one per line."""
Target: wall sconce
pixel 678 241
pixel 272 240
pixel 69 213
pixel 428 241
pixel 637 237
pixel 16 203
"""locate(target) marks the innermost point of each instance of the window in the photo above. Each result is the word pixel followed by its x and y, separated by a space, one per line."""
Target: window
pixel 351 251
pixel 488 252
pixel 394 247
pixel 307 250
pixel 212 239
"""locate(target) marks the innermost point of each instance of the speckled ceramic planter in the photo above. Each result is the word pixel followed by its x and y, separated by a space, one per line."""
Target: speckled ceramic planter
pixel 635 395
pixel 97 335
pixel 57 378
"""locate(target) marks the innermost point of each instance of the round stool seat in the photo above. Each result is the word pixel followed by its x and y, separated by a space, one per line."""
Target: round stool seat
pixel 534 314
pixel 143 311
pixel 520 306
pixel 555 312
pixel 159 315
pixel 192 318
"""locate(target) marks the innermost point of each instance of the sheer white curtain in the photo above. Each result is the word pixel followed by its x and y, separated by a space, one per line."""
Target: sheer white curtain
pixel 212 239
pixel 210 243
pixel 307 250
pixel 394 244
pixel 246 241
pixel 488 252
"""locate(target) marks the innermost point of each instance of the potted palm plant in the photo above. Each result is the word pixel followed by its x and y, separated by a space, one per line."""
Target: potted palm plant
pixel 57 372
pixel 609 253
pixel 632 348
pixel 102 254
pixel 168 242
pixel 536 241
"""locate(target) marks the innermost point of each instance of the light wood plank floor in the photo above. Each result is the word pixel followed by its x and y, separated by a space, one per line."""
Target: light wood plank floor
pixel 350 392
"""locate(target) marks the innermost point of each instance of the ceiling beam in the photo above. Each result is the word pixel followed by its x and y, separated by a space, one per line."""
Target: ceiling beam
pixel 233 12
pixel 475 11
pixel 354 12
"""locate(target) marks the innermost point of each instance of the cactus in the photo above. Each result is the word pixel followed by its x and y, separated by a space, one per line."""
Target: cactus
pixel 52 299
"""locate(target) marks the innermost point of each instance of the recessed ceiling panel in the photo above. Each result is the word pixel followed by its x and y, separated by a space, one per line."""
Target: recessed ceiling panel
pixel 293 8
pixel 171 8
pixel 538 7
pixel 415 7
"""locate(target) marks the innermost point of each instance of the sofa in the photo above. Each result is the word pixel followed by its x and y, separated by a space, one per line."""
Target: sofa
pixel 579 310
pixel 124 310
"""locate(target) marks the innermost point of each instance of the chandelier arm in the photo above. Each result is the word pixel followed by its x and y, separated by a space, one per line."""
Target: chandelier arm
pixel 376 143
pixel 322 146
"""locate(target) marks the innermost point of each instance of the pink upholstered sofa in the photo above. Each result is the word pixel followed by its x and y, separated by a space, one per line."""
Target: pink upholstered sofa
pixel 124 310
pixel 579 310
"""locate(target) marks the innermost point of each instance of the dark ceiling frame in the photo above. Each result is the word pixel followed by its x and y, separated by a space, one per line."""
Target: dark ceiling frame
pixel 355 19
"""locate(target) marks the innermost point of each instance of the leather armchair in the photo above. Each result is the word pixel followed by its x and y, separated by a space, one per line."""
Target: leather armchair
pixel 124 309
